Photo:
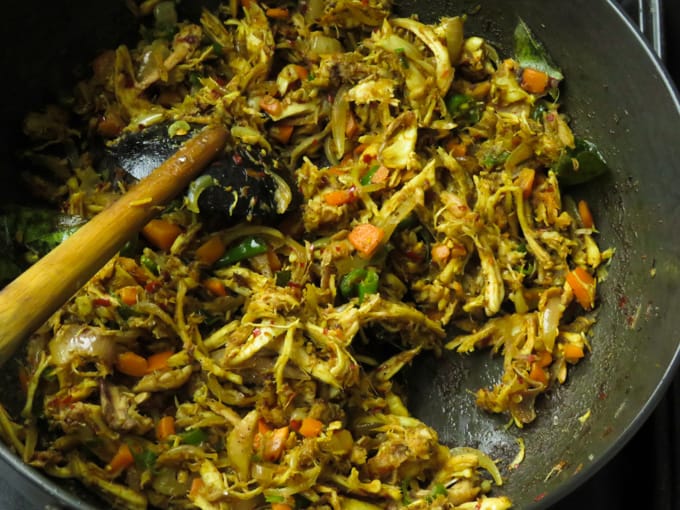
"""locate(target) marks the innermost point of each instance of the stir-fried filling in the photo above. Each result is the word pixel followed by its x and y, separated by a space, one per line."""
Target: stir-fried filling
pixel 235 367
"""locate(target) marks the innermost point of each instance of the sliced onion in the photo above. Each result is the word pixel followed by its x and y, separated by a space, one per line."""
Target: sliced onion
pixel 483 460
pixel 76 341
pixel 550 321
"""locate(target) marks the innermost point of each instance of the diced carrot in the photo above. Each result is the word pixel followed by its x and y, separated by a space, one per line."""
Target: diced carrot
pixel 281 506
pixel 110 125
pixel 534 81
pixel 310 427
pixel 440 254
pixel 282 132
pixel 583 285
pixel 211 250
pixel 573 352
pixel 196 485
pixel 456 148
pixel 274 444
pixel 340 197
pixel 161 233
pixel 359 149
pixel 158 361
pixel 165 427
pixel 380 176
pixel 215 286
pixel 543 359
pixel 271 105
pixel 262 426
pixel 121 460
pixel 585 214
pixel 132 364
pixel 525 180
pixel 129 295
pixel 274 261
pixel 277 13
pixel 538 374
pixel 302 72
pixel 366 238
pixel 23 379
pixel 351 126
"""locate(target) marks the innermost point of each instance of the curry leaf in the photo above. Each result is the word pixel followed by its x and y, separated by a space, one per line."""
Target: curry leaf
pixel 529 52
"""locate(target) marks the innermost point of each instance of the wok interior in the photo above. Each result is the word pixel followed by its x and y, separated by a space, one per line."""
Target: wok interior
pixel 616 96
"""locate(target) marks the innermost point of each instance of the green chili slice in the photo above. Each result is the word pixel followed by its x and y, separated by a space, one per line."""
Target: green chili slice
pixel 247 248
pixel 194 437
pixel 350 282
pixel 369 285
pixel 149 263
pixel 463 108
pixel 359 282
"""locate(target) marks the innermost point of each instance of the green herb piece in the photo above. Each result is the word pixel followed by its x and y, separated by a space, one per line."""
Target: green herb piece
pixel 194 437
pixel 464 109
pixel 540 108
pixel 145 459
pixel 366 179
pixel 529 52
pixel 283 278
pixel 274 498
pixel 149 264
pixel 405 498
pixel 438 490
pixel 581 164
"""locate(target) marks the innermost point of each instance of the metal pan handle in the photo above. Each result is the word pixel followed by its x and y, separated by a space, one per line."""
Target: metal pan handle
pixel 650 16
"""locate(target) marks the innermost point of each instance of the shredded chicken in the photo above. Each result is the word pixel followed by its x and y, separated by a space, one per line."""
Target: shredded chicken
pixel 183 376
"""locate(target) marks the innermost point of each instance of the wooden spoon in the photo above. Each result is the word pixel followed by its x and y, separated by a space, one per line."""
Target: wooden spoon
pixel 28 301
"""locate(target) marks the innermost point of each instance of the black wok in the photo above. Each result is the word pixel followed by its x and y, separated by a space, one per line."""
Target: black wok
pixel 617 94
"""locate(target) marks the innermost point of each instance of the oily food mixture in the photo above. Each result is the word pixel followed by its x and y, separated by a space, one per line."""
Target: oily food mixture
pixel 234 362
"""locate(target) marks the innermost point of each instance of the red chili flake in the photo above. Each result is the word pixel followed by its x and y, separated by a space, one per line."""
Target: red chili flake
pixel 325 331
pixel 602 395
pixel 257 332
pixel 367 158
pixel 295 424
pixel 294 285
pixel 101 302
pixel 414 256
pixel 152 286
pixel 540 496
pixel 238 159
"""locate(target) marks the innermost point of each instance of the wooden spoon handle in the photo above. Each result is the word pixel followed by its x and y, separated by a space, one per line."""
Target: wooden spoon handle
pixel 28 301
